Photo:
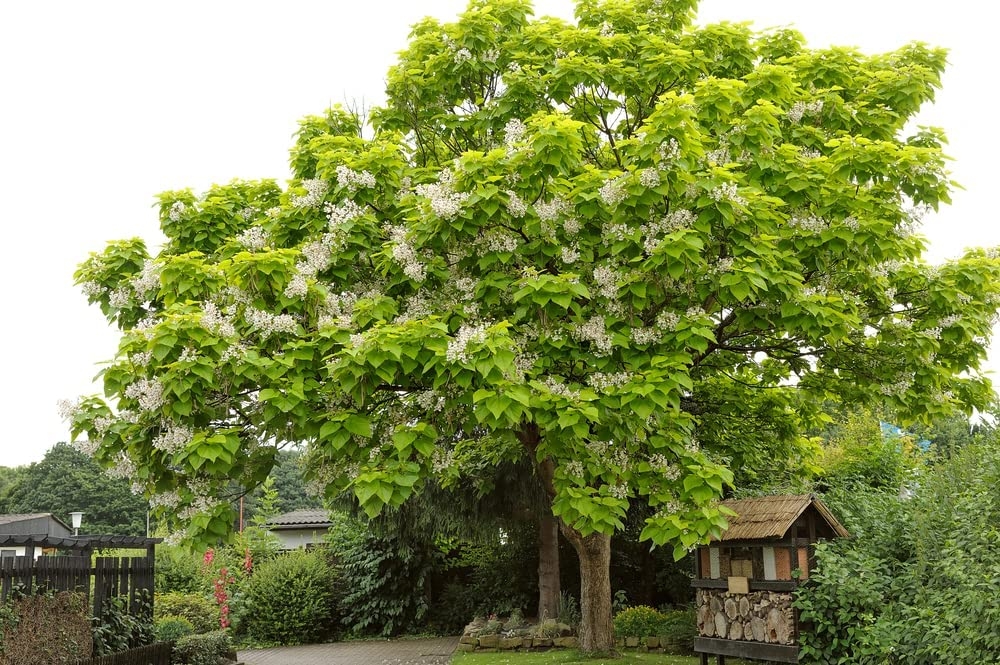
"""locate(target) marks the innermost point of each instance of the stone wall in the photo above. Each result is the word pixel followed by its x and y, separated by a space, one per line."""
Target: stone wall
pixel 758 616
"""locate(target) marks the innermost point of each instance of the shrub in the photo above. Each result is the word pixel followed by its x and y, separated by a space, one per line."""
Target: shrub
pixel 172 628
pixel 289 600
pixel 177 570
pixel 386 584
pixel 117 630
pixel 638 621
pixel 206 649
pixel 196 608
pixel 45 629
pixel 678 630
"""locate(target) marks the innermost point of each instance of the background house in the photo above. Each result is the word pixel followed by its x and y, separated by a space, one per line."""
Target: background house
pixel 300 528
pixel 41 525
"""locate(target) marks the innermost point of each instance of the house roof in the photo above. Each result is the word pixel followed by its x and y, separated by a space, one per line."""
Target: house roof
pixel 310 518
pixel 42 523
pixel 772 516
pixel 79 542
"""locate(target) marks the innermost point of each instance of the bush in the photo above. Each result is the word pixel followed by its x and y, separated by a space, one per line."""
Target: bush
pixel 196 608
pixel 678 631
pixel 45 629
pixel 177 570
pixel 386 584
pixel 917 583
pixel 638 621
pixel 172 628
pixel 117 630
pixel 289 600
pixel 206 649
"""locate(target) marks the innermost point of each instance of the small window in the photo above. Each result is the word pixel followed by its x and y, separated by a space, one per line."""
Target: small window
pixel 741 562
pixel 8 554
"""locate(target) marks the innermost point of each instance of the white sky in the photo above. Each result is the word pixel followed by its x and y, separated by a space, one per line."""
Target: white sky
pixel 104 104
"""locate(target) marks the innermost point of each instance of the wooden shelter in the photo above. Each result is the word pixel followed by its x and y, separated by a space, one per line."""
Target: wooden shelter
pixel 745 579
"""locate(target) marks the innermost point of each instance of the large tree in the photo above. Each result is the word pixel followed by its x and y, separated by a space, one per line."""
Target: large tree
pixel 630 250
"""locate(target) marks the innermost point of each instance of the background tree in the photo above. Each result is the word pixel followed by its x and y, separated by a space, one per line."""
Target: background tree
pixel 596 247
pixel 67 480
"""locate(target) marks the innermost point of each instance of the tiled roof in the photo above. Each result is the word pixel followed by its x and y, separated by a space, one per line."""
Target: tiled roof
pixel 773 516
pixel 312 517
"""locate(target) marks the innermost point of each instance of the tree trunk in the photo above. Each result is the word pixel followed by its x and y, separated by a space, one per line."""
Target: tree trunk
pixel 594 551
pixel 548 567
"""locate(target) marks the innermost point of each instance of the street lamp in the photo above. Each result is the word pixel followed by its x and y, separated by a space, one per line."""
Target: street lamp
pixel 77 517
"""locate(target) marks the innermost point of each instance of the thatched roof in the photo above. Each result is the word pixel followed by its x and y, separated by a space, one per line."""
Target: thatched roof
pixel 772 516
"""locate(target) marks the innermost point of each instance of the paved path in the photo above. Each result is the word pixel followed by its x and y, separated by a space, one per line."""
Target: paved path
pixel 434 651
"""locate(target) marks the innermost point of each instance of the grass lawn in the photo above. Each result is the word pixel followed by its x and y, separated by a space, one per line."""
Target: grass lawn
pixel 566 657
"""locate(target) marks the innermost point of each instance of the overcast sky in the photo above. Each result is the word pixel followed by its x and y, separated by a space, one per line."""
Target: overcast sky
pixel 104 104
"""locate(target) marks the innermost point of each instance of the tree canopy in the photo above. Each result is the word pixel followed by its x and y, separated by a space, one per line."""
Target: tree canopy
pixel 67 480
pixel 635 251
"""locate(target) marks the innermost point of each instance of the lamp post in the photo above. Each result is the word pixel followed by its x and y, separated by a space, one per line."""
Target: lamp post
pixel 77 517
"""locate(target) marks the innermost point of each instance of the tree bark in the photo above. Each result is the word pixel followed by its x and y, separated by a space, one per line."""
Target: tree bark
pixel 548 567
pixel 594 551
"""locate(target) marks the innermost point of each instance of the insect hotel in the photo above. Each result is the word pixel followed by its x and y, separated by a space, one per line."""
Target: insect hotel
pixel 745 579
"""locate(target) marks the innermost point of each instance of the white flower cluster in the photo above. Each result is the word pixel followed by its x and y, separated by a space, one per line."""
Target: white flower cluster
pixel 86 446
pixel 524 362
pixel 618 490
pixel 315 191
pixel 949 321
pixel 103 423
pixel 462 55
pixel 662 465
pixel 851 223
pixel 654 231
pixel 68 408
pixel 122 468
pixel 649 178
pixel 148 278
pixel 445 202
pixel 551 211
pixel 248 213
pixel 92 289
pixel 458 347
pixel 801 109
pixel 612 192
pixel 898 387
pixel 594 332
pixel 602 381
pixel 498 240
pixel 718 156
pixel 172 438
pixel 120 297
pixel 612 233
pixel 338 309
pixel 297 287
pixel 513 133
pixel 169 499
pixel 405 254
pixel 188 354
pixel 215 322
pixel 442 460
pixel 727 192
pixel 807 222
pixel 176 210
pixel 148 392
pixel 669 150
pixel 254 238
pixel 516 206
pixel 569 254
pixel 607 30
pixel 606 280
pixel 574 468
pixel 430 401
pixel 352 180
pixel 268 324
pixel 343 212
pixel 557 387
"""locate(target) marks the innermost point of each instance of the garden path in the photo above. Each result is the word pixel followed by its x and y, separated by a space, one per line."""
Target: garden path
pixel 433 651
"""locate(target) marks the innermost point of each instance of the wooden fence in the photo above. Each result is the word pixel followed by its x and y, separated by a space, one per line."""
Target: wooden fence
pixel 154 654
pixel 131 578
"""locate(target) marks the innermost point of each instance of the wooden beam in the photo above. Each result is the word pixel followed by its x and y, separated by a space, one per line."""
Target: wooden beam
pixel 778 653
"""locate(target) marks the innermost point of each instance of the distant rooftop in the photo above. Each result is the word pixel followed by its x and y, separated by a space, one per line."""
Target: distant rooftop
pixel 307 518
